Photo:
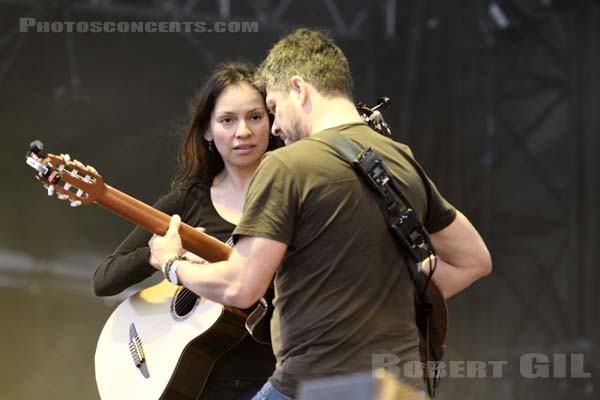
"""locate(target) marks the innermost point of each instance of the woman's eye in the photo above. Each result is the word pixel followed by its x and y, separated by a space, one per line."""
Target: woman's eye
pixel 257 117
pixel 225 120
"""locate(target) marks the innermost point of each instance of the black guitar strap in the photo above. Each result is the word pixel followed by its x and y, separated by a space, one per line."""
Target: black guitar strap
pixel 408 232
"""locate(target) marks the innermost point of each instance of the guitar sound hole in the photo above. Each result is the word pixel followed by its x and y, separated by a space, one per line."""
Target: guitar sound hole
pixel 183 303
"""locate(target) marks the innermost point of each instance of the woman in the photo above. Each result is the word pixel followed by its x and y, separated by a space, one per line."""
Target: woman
pixel 227 136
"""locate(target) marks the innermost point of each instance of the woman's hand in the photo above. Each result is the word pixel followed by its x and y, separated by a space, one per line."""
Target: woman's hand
pixel 163 248
pixel 156 262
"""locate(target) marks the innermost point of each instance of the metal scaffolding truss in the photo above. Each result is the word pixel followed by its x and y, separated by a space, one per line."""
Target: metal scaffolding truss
pixel 535 182
pixel 353 21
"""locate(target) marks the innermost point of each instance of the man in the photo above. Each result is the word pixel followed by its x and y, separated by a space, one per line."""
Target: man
pixel 343 291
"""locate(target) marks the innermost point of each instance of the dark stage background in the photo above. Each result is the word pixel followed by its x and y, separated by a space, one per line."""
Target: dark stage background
pixel 500 101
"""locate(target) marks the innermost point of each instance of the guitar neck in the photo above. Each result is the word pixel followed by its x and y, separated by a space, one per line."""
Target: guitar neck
pixel 157 222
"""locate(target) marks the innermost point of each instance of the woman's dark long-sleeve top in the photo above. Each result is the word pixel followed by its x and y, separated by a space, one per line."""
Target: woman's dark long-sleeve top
pixel 129 265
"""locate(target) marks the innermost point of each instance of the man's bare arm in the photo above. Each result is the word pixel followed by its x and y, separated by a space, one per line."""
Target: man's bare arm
pixel 240 281
pixel 463 256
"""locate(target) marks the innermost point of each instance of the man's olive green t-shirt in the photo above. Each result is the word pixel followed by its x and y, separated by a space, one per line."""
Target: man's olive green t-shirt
pixel 343 292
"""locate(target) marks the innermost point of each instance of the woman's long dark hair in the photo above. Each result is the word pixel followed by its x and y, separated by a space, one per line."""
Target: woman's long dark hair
pixel 196 163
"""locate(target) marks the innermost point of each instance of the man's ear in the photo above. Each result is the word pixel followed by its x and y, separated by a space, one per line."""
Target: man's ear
pixel 299 87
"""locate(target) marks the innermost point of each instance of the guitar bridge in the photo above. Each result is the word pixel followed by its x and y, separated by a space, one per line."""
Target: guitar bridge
pixel 137 351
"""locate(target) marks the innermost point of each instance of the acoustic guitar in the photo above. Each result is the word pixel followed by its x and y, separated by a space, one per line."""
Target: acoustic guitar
pixel 162 342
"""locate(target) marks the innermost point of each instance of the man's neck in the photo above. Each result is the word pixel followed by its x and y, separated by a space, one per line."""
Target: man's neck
pixel 332 112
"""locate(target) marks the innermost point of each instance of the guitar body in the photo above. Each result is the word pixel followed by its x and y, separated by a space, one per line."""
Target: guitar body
pixel 440 318
pixel 180 337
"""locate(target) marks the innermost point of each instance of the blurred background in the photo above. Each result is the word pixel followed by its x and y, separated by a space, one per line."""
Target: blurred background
pixel 499 100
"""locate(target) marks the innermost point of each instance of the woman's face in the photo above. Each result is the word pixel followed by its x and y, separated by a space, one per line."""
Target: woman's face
pixel 239 126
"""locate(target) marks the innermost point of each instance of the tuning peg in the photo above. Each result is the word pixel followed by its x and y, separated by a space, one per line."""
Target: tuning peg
pixel 384 102
pixel 36 147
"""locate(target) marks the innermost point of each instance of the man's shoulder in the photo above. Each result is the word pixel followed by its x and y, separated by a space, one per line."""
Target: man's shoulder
pixel 368 137
pixel 292 153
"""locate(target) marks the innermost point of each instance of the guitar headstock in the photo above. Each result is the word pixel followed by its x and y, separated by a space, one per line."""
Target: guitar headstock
pixel 372 116
pixel 70 179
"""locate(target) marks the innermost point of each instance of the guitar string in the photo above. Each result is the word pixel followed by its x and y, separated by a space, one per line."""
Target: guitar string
pixel 190 297
pixel 159 329
pixel 185 299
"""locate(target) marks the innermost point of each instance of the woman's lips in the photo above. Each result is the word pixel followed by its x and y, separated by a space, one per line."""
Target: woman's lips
pixel 244 148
